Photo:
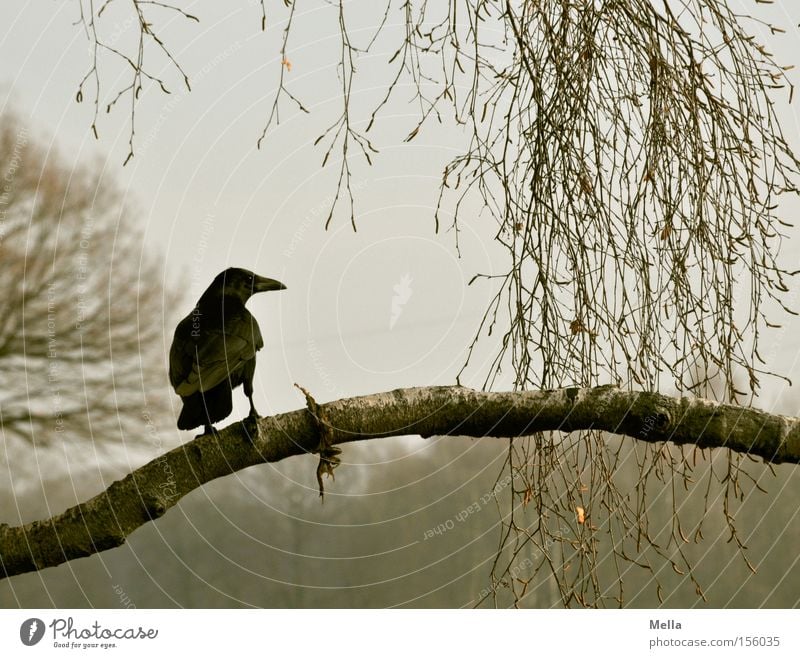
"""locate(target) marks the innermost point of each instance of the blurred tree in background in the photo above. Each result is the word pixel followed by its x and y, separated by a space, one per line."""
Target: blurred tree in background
pixel 79 351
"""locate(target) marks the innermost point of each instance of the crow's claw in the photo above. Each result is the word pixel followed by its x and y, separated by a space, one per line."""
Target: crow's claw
pixel 251 428
pixel 208 429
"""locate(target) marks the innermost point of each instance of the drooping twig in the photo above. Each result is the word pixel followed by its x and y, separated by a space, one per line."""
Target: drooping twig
pixel 328 453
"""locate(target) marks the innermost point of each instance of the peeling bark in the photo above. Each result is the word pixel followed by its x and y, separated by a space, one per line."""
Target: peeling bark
pixel 106 520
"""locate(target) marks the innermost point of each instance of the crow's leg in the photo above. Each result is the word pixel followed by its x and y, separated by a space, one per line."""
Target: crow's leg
pixel 251 422
pixel 248 371
pixel 208 427
pixel 253 412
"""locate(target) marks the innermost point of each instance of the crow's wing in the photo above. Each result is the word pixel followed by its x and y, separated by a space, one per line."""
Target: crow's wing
pixel 197 365
pixel 181 353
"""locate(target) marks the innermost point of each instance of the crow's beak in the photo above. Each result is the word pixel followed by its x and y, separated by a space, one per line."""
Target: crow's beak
pixel 263 284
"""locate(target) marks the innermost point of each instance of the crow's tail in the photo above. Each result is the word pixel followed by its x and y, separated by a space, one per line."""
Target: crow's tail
pixel 206 408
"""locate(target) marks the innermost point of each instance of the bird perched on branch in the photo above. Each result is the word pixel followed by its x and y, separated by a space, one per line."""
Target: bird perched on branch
pixel 214 349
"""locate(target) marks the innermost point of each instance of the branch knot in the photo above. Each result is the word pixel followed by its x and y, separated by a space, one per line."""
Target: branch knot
pixel 328 453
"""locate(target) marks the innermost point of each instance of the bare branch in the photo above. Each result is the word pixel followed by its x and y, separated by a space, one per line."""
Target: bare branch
pixel 90 16
pixel 107 519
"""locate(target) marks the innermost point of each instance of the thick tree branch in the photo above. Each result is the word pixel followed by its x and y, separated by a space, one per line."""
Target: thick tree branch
pixel 107 519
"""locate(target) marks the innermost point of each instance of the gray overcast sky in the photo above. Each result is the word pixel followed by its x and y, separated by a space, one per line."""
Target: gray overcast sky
pixel 208 199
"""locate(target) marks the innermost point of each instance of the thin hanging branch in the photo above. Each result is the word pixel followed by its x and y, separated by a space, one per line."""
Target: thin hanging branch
pixel 137 62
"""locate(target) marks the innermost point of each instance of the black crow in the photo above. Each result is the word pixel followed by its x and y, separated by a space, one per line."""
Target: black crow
pixel 214 349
